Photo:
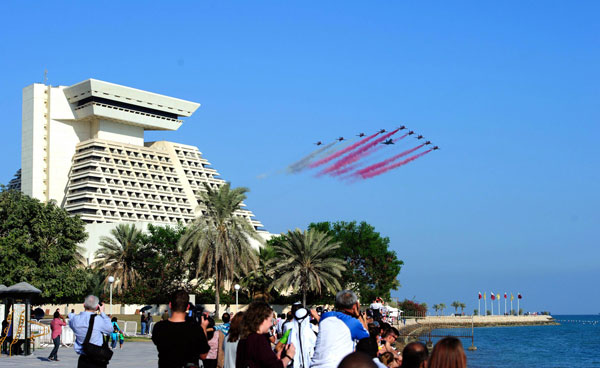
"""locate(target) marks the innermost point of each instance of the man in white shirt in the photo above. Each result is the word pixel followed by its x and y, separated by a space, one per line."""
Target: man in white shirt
pixel 339 330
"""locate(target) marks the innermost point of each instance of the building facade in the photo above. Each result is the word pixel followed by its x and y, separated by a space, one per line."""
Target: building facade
pixel 83 147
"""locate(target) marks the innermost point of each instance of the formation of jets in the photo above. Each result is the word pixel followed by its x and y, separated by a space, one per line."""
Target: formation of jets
pixel 388 141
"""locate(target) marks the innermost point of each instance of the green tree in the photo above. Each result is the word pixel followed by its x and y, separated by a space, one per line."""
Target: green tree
pixel 259 282
pixel 218 242
pixel 160 265
pixel 118 255
pixel 475 312
pixel 455 305
pixel 436 308
pixel 462 307
pixel 442 307
pixel 372 269
pixel 307 261
pixel 38 244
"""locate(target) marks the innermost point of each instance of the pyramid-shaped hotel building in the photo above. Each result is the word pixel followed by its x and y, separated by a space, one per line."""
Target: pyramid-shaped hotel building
pixel 83 147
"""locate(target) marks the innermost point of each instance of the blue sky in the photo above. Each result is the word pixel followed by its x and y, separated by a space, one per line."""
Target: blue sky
pixel 509 91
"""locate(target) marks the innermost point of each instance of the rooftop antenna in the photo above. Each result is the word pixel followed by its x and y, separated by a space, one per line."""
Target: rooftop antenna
pixel 46 76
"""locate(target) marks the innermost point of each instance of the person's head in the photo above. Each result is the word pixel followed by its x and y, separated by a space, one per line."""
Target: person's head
pixel 357 360
pixel 448 353
pixel 257 319
pixel 91 303
pixel 114 319
pixel 57 314
pixel 225 317
pixel 347 300
pixel 373 330
pixel 415 355
pixel 289 316
pixel 235 329
pixel 389 360
pixel 390 335
pixel 179 301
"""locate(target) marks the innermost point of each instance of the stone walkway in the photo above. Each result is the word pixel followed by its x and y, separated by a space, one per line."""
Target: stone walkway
pixel 134 354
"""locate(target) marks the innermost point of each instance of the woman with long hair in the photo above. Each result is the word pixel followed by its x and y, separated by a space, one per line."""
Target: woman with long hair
pixel 448 353
pixel 56 325
pixel 231 341
pixel 254 348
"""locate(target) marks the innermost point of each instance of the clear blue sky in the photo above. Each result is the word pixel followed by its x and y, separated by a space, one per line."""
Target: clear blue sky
pixel 509 90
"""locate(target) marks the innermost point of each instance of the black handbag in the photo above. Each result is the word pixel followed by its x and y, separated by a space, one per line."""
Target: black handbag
pixel 99 354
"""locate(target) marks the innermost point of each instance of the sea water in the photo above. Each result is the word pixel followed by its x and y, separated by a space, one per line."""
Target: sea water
pixel 574 343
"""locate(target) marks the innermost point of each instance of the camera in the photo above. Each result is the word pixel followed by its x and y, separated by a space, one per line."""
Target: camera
pixel 195 313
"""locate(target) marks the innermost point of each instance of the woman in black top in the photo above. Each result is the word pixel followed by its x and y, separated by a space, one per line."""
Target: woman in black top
pixel 254 349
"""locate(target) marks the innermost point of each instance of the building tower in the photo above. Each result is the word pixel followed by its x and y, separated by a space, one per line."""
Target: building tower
pixel 83 147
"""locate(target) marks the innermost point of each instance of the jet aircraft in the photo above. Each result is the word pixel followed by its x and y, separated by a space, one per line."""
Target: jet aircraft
pixel 419 137
pixel 340 139
pixel 402 127
pixel 410 132
pixel 319 143
pixel 360 135
pixel 428 142
pixel 388 142
pixel 435 148
pixel 382 131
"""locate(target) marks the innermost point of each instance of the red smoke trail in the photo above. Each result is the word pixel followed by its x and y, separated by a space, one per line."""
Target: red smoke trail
pixel 359 153
pixel 385 169
pixel 358 164
pixel 341 152
pixel 386 162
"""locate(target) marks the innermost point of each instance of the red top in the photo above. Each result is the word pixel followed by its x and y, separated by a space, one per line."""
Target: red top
pixel 56 326
pixel 255 352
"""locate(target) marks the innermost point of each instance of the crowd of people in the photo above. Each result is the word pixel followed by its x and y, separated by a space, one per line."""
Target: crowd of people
pixel 257 337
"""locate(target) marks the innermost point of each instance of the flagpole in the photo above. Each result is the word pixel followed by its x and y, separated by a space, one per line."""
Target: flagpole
pixel 492 303
pixel 505 303
pixel 518 303
pixel 497 297
pixel 511 299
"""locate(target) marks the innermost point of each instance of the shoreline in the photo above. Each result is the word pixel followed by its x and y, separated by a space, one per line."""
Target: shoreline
pixel 415 327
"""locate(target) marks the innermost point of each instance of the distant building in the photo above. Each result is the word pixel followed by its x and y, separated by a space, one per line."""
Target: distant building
pixel 83 147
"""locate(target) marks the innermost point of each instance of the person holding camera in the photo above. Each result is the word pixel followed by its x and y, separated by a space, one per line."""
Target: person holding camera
pixel 89 329
pixel 180 342
pixel 254 349
pixel 339 330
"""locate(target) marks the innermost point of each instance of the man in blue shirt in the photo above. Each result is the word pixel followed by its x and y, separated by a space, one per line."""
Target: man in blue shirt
pixel 79 324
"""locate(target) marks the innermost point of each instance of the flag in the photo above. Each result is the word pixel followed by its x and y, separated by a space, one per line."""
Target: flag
pixel 484 295
pixel 480 295
pixel 498 296
pixel 512 297
pixel 505 296
pixel 519 296
pixel 493 296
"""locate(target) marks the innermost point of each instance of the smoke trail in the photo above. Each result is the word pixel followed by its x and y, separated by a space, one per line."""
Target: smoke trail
pixel 358 154
pixel 385 169
pixel 386 162
pixel 303 163
pixel 365 161
pixel 341 152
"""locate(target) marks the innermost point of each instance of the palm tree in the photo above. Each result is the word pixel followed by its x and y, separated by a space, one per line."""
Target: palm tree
pixel 436 308
pixel 456 305
pixel 260 281
pixel 117 255
pixel 219 240
pixel 442 307
pixel 462 307
pixel 307 262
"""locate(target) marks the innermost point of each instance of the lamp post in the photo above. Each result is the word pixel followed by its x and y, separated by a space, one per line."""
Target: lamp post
pixel 237 288
pixel 111 280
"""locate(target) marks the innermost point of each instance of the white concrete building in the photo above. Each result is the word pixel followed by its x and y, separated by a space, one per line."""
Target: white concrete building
pixel 83 147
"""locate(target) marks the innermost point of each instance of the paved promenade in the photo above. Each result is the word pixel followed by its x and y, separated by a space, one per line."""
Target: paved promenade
pixel 134 354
